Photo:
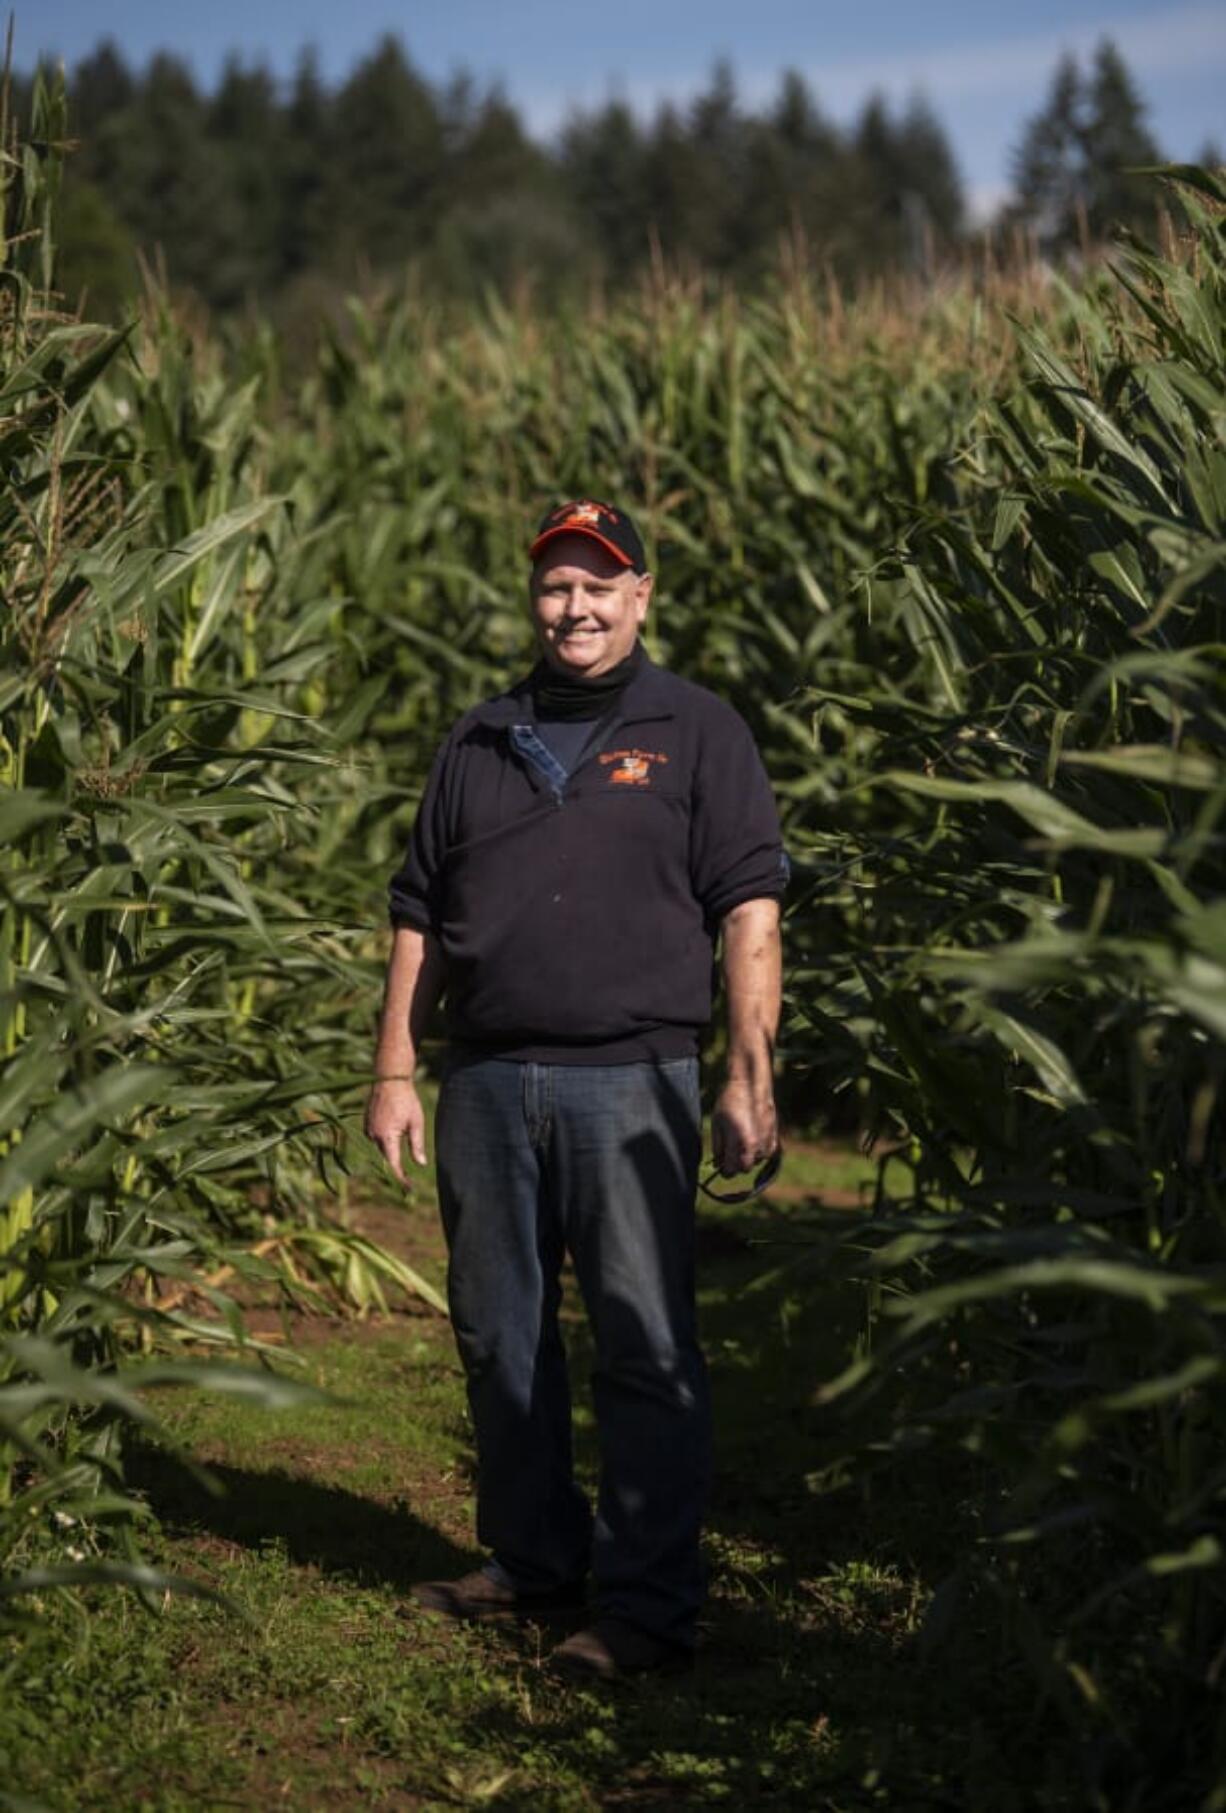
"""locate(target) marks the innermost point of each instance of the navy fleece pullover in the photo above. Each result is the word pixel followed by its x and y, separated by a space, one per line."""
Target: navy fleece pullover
pixel 577 914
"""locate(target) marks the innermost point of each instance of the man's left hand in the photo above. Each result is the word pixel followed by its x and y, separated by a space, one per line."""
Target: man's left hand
pixel 744 1129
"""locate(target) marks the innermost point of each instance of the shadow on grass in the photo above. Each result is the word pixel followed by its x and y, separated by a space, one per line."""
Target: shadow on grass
pixel 782 1709
pixel 775 1324
pixel 325 1526
pixel 811 1689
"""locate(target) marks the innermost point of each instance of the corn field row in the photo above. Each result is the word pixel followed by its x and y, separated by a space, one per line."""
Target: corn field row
pixel 963 565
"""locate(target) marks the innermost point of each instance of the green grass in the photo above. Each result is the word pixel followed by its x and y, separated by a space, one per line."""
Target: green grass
pixel 823 1171
pixel 324 1688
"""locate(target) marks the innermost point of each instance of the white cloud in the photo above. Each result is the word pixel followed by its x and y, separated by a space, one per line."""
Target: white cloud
pixel 1171 41
pixel 984 202
pixel 1178 39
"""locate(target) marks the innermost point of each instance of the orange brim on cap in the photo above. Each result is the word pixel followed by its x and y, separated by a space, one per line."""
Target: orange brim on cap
pixel 569 528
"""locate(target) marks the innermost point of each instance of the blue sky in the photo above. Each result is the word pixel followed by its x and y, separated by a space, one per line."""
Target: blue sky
pixel 983 67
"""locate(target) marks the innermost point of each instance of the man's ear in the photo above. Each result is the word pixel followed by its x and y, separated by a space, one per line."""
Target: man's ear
pixel 642 594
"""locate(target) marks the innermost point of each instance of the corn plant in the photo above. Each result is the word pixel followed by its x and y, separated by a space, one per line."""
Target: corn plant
pixel 148 956
pixel 1025 865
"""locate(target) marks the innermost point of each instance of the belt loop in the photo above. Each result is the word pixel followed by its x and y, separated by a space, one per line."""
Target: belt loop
pixel 538 1101
pixel 526 1094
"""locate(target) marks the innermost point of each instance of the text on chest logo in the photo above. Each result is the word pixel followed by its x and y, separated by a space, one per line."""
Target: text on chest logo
pixel 631 767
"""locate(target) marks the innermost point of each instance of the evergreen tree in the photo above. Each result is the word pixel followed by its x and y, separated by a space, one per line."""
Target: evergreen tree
pixel 1116 143
pixel 153 162
pixel 719 199
pixel 1048 166
pixel 876 143
pixel 798 124
pixel 884 221
pixel 505 217
pixel 389 161
pixel 604 167
pixel 925 154
pixel 247 193
pixel 796 175
pixel 96 253
pixel 696 176
pixel 495 154
pixel 244 123
pixel 102 85
pixel 670 181
pixel 1071 170
pixel 303 229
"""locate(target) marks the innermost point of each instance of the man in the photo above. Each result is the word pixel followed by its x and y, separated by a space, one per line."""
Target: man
pixel 582 841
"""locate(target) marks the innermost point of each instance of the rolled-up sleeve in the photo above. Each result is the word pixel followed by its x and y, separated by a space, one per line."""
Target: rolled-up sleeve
pixel 736 849
pixel 415 890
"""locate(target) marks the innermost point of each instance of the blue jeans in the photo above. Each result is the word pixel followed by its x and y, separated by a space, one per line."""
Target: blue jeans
pixel 601 1161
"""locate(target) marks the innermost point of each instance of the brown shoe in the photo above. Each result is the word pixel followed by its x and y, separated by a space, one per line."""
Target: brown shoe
pixel 609 1650
pixel 478 1598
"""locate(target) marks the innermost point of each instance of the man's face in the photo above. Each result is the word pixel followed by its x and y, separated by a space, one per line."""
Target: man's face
pixel 586 606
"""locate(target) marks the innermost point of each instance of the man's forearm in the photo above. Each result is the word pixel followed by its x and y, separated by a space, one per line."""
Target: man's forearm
pixel 743 1125
pixel 753 971
pixel 410 995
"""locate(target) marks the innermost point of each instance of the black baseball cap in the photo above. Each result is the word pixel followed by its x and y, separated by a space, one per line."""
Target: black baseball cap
pixel 611 527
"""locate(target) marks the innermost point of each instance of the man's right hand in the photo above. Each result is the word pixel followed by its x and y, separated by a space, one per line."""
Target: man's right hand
pixel 393 1111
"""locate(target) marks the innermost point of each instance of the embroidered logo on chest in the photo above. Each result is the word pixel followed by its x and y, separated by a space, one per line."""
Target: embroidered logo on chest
pixel 630 767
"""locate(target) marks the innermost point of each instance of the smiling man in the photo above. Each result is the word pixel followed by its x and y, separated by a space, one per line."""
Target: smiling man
pixel 582 843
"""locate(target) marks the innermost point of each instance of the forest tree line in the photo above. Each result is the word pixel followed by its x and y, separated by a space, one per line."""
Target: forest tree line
pixel 291 194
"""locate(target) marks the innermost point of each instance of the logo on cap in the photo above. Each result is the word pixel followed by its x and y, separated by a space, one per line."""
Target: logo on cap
pixel 588 514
